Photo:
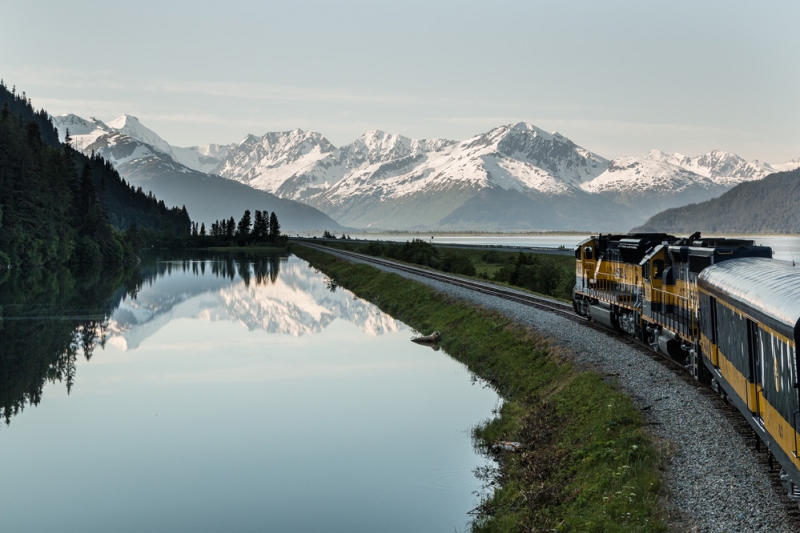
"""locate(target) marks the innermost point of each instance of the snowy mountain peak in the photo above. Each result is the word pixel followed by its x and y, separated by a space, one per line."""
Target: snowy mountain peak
pixel 377 141
pixel 374 134
pixel 376 146
pixel 133 128
pixel 124 120
pixel 789 165
pixel 653 173
pixel 283 140
pixel 552 153
pixel 724 167
pixel 658 155
pixel 266 162
pixel 217 151
pixel 77 126
pixel 530 129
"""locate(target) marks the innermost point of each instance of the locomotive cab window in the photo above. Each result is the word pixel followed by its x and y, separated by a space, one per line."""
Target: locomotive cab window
pixel 587 253
pixel 578 252
pixel 658 268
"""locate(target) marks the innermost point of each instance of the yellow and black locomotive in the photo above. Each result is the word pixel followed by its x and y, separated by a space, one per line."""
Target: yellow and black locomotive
pixel 722 307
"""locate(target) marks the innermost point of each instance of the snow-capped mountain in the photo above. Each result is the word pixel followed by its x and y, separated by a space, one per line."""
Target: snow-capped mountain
pixel 205 158
pixel 86 132
pixel 82 132
pixel 373 148
pixel 430 180
pixel 789 165
pixel 652 183
pixel 154 167
pixel 302 165
pixel 130 126
pixel 515 176
pixel 267 162
pixel 724 168
pixel 638 175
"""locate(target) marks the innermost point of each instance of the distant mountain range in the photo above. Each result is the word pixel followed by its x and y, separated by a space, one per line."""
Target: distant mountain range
pixel 765 206
pixel 147 161
pixel 514 177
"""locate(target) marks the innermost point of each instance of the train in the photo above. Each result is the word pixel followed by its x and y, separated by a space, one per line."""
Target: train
pixel 722 307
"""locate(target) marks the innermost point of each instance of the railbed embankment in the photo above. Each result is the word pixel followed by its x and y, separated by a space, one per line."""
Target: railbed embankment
pixel 705 477
pixel 589 462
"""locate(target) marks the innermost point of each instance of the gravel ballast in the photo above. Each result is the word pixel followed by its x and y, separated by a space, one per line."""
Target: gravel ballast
pixel 714 480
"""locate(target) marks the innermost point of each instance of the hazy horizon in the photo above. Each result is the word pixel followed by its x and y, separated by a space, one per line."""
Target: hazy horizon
pixel 618 79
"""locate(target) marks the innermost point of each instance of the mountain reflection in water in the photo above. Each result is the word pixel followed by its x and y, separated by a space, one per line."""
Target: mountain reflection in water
pixel 49 318
pixel 225 392
pixel 277 294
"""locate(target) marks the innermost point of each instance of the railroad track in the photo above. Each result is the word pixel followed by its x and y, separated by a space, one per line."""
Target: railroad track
pixel 565 310
pixel 541 302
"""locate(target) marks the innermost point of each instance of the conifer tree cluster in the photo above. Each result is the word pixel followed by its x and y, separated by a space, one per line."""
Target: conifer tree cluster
pixel 58 205
pixel 260 229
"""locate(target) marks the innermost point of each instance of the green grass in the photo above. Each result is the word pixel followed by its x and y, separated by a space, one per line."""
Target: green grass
pixel 547 274
pixel 588 465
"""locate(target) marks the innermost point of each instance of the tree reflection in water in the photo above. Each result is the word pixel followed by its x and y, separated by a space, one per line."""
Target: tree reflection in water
pixel 51 316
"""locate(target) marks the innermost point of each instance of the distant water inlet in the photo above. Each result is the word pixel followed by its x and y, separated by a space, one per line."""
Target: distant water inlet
pixel 785 247
pixel 222 392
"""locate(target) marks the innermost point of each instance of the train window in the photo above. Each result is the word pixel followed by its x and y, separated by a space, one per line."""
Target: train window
pixel 587 253
pixel 658 268
pixel 578 253
pixel 712 308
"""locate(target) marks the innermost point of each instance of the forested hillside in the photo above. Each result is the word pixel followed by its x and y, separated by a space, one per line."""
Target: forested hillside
pixel 765 206
pixel 58 205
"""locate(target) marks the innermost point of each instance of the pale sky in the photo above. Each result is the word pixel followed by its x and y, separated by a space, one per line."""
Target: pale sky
pixel 616 77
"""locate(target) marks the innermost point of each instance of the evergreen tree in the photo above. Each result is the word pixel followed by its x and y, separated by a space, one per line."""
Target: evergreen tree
pixel 60 205
pixel 203 229
pixel 260 225
pixel 133 240
pixel 243 228
pixel 87 195
pixel 274 227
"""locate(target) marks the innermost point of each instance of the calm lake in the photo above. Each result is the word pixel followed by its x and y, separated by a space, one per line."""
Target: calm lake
pixel 226 393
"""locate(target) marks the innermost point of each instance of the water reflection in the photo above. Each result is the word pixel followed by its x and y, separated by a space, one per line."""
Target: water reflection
pixel 50 318
pixel 277 294
pixel 225 393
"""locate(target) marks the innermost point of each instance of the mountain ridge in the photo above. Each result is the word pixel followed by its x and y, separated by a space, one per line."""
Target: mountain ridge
pixel 207 197
pixel 388 181
pixel 764 206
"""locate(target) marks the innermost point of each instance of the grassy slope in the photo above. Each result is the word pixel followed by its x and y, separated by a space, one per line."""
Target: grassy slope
pixel 489 263
pixel 588 464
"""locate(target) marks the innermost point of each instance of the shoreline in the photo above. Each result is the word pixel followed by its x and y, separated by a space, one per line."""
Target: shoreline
pixel 555 408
